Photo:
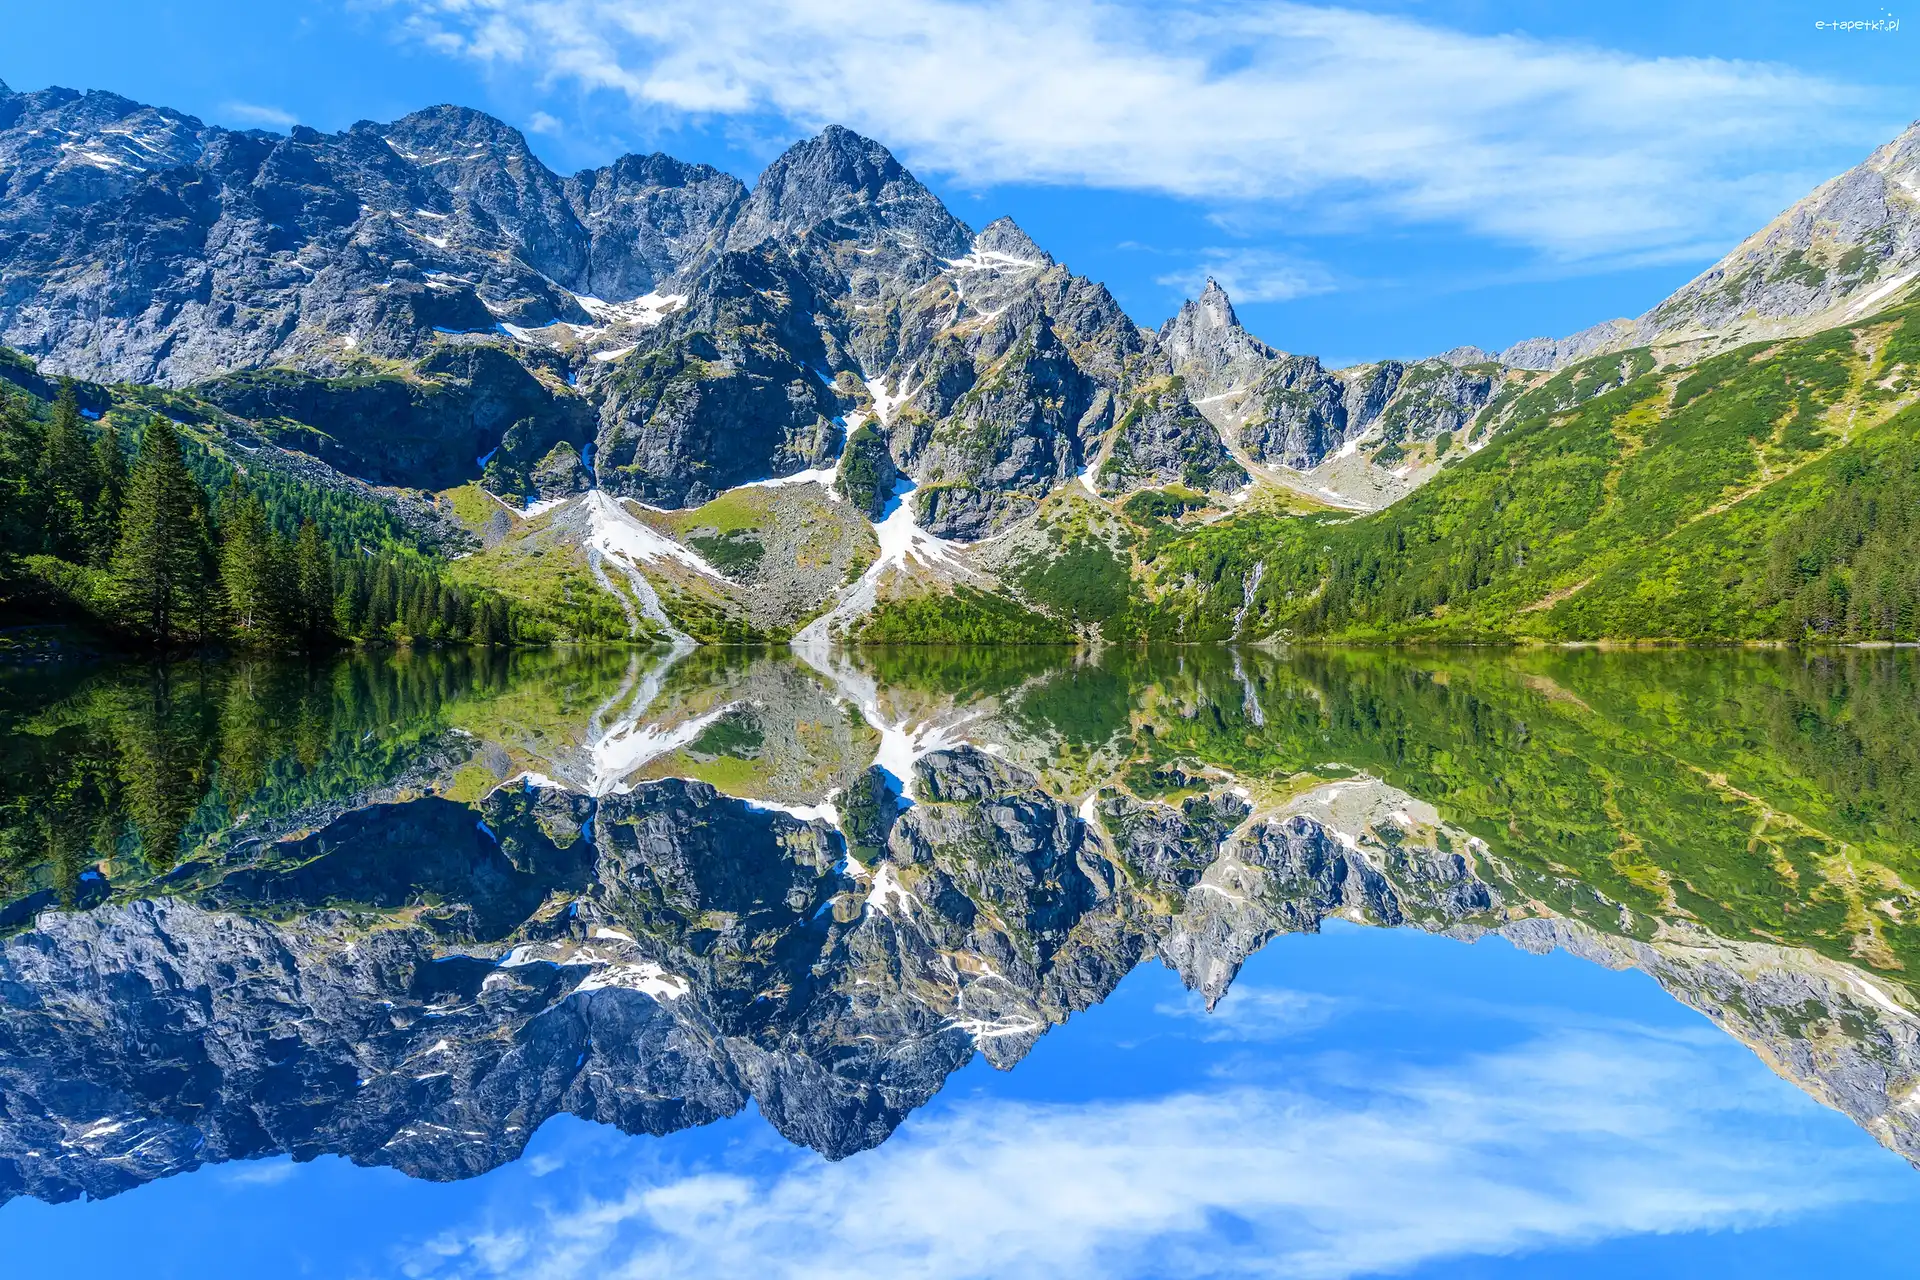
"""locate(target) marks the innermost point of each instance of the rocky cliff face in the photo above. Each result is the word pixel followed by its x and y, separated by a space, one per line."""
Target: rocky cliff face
pixel 679 333
pixel 727 390
pixel 141 245
pixel 1850 247
pixel 1292 413
pixel 422 303
pixel 1214 353
pixel 1162 439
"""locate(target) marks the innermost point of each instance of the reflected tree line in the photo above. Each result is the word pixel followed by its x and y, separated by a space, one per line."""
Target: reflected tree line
pixel 1769 795
pixel 1765 795
pixel 121 768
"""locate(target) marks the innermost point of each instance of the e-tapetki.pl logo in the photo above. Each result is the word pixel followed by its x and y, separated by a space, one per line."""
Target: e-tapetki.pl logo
pixel 1886 22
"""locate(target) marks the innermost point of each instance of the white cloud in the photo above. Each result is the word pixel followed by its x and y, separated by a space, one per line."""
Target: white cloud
pixel 1253 1013
pixel 1252 275
pixel 265 1173
pixel 1573 149
pixel 1573 1138
pixel 256 114
pixel 541 122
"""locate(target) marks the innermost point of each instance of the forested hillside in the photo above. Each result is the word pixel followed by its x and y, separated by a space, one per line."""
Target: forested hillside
pixel 1771 492
pixel 132 525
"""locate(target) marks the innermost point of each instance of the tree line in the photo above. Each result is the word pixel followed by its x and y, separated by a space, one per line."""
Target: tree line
pixel 99 765
pixel 141 547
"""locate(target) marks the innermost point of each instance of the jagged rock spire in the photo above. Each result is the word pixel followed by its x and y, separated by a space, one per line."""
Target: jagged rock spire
pixel 1210 349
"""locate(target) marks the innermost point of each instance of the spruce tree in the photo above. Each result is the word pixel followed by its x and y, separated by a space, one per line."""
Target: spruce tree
pixel 246 568
pixel 313 585
pixel 349 598
pixel 160 567
pixel 19 466
pixel 69 481
pixel 110 466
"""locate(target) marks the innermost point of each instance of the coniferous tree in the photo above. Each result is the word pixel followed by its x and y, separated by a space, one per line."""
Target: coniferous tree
pixel 160 568
pixel 19 465
pixel 349 600
pixel 110 466
pixel 246 563
pixel 313 586
pixel 69 481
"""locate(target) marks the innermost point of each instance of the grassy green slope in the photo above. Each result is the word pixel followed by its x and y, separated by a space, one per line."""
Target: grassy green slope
pixel 1767 492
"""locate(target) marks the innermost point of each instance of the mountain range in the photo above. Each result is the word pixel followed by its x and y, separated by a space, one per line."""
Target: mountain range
pixel 654 379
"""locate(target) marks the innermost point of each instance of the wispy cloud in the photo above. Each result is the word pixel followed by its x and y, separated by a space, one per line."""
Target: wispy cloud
pixel 258 114
pixel 541 122
pixel 1571 1138
pixel 264 1173
pixel 1251 275
pixel 1573 149
pixel 1254 1013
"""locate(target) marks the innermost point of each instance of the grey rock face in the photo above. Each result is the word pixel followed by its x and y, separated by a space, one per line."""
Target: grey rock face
pixel 560 474
pixel 1166 846
pixel 1301 415
pixel 1002 436
pixel 1558 353
pixel 1289 874
pixel 1305 414
pixel 648 220
pixel 1433 397
pixel 1006 367
pixel 1291 411
pixel 1210 349
pixel 145 246
pixel 725 392
pixel 1163 439
pixel 1003 237
pixel 1854 238
pixel 429 430
pixel 840 189
pixel 1847 249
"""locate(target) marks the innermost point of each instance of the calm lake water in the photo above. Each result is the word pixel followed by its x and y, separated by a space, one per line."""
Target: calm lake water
pixel 966 962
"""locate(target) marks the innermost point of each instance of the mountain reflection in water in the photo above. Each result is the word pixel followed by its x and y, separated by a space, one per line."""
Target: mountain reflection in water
pixel 407 908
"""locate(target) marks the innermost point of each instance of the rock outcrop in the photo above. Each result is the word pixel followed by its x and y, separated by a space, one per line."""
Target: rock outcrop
pixel 1848 248
pixel 1162 439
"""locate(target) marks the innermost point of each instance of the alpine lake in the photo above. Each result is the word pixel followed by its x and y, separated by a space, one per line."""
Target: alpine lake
pixel 962 962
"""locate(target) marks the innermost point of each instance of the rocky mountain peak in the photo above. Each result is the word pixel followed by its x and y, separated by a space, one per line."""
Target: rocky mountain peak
pixel 457 135
pixel 1210 348
pixel 1899 160
pixel 1214 303
pixel 853 185
pixel 1847 249
pixel 1003 236
pixel 651 217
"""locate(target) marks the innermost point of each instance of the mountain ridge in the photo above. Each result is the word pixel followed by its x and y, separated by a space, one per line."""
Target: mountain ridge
pixel 413 304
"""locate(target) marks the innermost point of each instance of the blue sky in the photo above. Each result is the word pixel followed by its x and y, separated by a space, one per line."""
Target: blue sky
pixel 1362 1102
pixel 1369 180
